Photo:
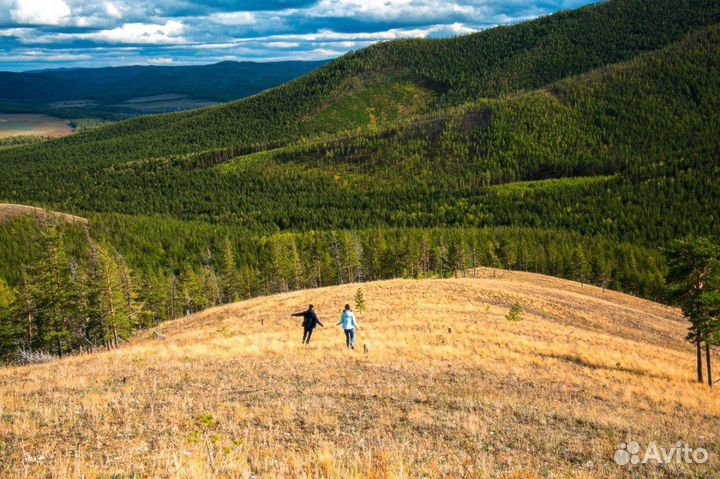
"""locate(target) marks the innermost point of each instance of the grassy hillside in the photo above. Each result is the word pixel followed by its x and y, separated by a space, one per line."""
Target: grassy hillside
pixel 449 388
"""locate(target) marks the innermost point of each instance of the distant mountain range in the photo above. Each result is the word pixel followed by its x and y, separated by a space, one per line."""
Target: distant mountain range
pixel 118 92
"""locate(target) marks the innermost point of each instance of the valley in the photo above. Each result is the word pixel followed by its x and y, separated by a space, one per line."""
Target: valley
pixel 19 124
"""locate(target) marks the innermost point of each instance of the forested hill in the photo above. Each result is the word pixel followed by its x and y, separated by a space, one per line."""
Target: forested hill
pixel 119 92
pixel 627 151
pixel 382 83
pixel 224 81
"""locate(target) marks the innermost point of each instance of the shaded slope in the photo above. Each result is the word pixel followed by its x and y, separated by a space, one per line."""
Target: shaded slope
pixel 229 388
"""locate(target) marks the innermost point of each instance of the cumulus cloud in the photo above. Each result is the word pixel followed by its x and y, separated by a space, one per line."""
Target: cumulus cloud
pixel 40 12
pixel 112 10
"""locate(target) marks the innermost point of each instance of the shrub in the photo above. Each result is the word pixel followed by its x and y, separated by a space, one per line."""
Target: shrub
pixel 515 313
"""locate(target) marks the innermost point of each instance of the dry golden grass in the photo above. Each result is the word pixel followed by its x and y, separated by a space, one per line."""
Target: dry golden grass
pixel 450 388
pixel 10 210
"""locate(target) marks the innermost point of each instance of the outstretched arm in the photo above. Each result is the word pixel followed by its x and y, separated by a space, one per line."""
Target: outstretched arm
pixel 298 314
pixel 315 317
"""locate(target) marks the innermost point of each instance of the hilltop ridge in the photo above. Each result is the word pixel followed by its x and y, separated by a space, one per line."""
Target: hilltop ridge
pixel 448 385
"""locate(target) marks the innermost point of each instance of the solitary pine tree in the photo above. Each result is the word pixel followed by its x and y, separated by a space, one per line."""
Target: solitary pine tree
pixel 694 283
pixel 359 301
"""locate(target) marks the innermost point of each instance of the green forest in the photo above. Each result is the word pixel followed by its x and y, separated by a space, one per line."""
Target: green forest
pixel 578 145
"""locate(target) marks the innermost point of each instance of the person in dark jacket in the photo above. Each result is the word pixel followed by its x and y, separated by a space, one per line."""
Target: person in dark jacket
pixel 310 321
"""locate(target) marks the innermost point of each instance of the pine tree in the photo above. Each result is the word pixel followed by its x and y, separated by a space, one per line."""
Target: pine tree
pixel 54 292
pixel 580 265
pixel 110 297
pixel 694 283
pixel 230 279
pixel 351 257
pixel 193 292
pixel 24 312
pixel 8 328
pixel 359 301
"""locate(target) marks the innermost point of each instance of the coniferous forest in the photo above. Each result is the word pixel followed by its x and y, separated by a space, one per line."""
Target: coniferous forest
pixel 578 145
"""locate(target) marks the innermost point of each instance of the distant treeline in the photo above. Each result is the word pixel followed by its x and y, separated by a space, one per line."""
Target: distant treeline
pixel 66 289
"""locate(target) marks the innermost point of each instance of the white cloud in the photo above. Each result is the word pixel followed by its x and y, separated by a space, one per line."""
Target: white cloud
pixel 389 10
pixel 40 12
pixel 140 33
pixel 453 30
pixel 36 56
pixel 282 45
pixel 15 32
pixel 233 18
pixel 169 33
pixel 112 10
pixel 160 61
pixel 325 35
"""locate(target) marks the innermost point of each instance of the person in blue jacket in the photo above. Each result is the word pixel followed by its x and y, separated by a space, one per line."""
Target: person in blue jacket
pixel 310 321
pixel 349 324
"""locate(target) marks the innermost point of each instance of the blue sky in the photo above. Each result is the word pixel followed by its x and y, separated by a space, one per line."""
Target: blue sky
pixel 37 34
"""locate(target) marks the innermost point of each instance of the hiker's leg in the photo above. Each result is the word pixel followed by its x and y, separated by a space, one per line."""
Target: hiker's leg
pixel 352 338
pixel 306 336
pixel 309 333
pixel 347 338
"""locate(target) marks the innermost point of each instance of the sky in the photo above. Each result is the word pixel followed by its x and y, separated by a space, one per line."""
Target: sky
pixel 38 34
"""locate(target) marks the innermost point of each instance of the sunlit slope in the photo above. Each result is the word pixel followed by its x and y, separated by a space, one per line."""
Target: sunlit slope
pixel 10 210
pixel 448 388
